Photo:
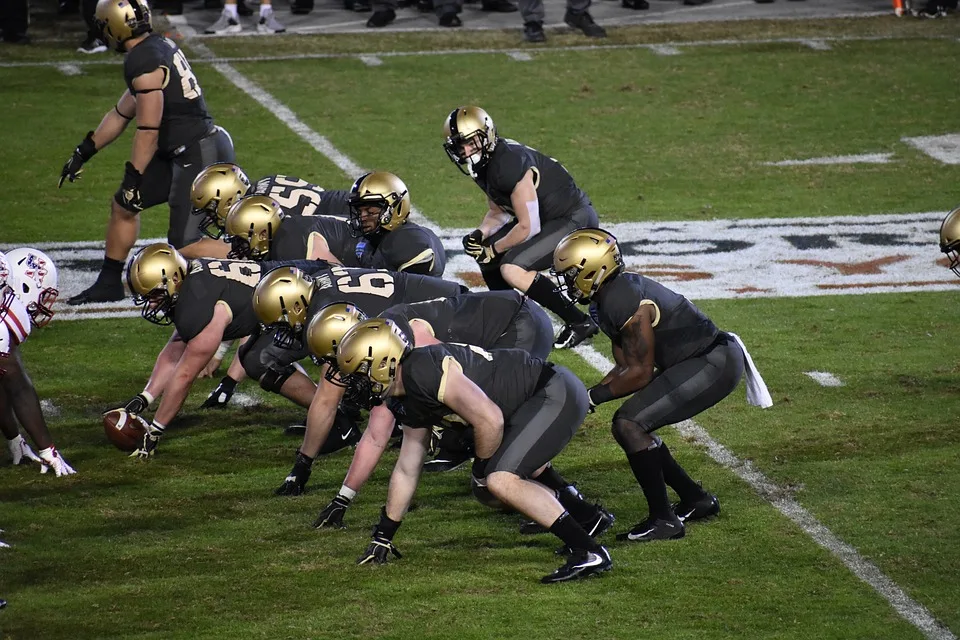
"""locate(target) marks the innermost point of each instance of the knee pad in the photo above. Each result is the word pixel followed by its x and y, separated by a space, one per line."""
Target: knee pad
pixel 273 379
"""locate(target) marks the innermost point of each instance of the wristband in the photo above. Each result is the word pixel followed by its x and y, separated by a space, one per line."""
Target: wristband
pixel 148 397
pixel 88 148
pixel 386 527
pixel 599 394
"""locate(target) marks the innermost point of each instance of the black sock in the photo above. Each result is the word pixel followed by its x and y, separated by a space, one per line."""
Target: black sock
pixel 111 272
pixel 677 478
pixel 569 530
pixel 572 500
pixel 649 474
pixel 543 291
pixel 228 384
pixel 552 480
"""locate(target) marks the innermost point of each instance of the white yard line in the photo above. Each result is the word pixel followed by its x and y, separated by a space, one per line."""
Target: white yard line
pixel 824 378
pixel 664 50
pixel 371 61
pixel 520 56
pixel 864 158
pixel 945 148
pixel 69 69
pixel 909 609
pixel 450 52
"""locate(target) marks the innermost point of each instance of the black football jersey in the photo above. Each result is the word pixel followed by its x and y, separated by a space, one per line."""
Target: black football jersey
pixel 296 236
pixel 300 198
pixel 373 291
pixel 409 248
pixel 185 118
pixel 557 193
pixel 231 282
pixel 680 330
pixel 508 376
pixel 479 319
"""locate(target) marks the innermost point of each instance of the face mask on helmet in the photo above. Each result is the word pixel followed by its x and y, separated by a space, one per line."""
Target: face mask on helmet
pixel 367 214
pixel 469 152
pixel 35 282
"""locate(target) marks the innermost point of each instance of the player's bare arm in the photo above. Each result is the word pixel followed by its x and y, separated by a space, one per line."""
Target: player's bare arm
pixel 149 111
pixel 526 208
pixel 320 416
pixel 406 473
pixel 636 351
pixel 470 403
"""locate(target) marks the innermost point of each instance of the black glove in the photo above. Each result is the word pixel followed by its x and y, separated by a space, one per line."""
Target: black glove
pixel 295 484
pixel 472 243
pixel 332 515
pixel 137 404
pixel 128 196
pixel 381 544
pixel 220 396
pixel 74 166
pixel 151 438
pixel 488 253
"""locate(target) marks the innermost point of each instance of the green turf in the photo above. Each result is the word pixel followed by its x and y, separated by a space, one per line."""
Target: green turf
pixel 193 544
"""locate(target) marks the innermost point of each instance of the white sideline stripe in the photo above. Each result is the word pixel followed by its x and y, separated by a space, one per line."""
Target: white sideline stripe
pixel 816 45
pixel 520 56
pixel 664 50
pixel 371 61
pixel 69 69
pixel 863 158
pixel 910 610
pixel 211 59
pixel 283 113
pixel 824 378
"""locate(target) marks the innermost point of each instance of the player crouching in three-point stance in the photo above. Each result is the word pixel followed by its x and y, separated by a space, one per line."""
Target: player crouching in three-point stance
pixel 529 413
pixel 670 356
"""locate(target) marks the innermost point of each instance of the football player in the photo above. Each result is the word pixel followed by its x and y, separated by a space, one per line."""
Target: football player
pixel 523 410
pixel 950 239
pixel 285 301
pixel 489 320
pixel 379 212
pixel 28 289
pixel 207 301
pixel 175 138
pixel 670 358
pixel 533 202
pixel 218 186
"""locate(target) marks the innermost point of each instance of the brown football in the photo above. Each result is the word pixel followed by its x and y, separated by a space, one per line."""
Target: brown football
pixel 124 430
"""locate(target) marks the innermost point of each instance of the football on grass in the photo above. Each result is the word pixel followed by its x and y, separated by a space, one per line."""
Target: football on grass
pixel 124 430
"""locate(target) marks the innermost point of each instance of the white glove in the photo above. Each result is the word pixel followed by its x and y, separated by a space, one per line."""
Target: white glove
pixel 19 449
pixel 53 460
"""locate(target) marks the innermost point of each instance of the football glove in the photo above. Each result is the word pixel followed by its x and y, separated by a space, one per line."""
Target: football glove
pixel 332 515
pixel 151 438
pixel 137 404
pixel 295 484
pixel 74 166
pixel 487 254
pixel 128 195
pixel 19 449
pixel 51 459
pixel 220 396
pixel 378 551
pixel 472 243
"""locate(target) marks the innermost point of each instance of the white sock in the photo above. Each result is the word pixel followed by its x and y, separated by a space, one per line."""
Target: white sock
pixel 231 9
pixel 265 9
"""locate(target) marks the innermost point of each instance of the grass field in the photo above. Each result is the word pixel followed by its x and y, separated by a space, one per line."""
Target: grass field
pixel 194 544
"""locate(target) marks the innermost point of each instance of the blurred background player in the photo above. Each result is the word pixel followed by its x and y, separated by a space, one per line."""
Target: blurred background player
pixel 175 138
pixel 229 20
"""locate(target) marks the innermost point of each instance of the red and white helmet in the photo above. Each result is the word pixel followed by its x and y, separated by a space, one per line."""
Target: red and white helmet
pixel 35 282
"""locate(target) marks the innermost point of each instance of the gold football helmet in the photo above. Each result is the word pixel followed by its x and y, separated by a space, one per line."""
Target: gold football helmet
pixel 950 239
pixel 250 226
pixel 584 260
pixel 281 301
pixel 327 328
pixel 121 20
pixel 385 193
pixel 466 124
pixel 155 277
pixel 214 191
pixel 373 348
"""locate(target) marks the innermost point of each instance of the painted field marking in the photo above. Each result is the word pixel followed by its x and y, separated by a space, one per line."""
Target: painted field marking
pixel 212 59
pixel 520 56
pixel 865 158
pixel 816 45
pixel 371 61
pixel 945 148
pixel 69 69
pixel 664 50
pixel 824 378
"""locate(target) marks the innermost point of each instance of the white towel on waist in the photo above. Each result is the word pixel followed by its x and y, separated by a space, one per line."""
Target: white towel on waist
pixel 757 393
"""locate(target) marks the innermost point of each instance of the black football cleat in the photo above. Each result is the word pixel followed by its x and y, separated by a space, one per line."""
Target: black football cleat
pixel 533 32
pixel 584 22
pixel 599 523
pixel 340 439
pixel 99 293
pixel 654 529
pixel 706 507
pixel 446 461
pixel 381 18
pixel 573 334
pixel 581 564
